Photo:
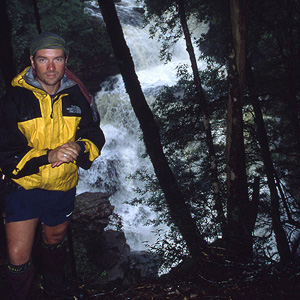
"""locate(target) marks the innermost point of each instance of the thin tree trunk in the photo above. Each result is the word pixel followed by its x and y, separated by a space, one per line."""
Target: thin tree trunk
pixel 284 200
pixel 239 10
pixel 280 235
pixel 254 204
pixel 7 65
pixel 174 197
pixel 37 16
pixel 239 231
pixel 205 116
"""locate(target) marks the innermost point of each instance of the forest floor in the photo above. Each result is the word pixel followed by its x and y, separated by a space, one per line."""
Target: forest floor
pixel 215 281
pixel 203 281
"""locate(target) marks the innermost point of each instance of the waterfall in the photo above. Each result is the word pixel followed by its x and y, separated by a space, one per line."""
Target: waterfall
pixel 122 153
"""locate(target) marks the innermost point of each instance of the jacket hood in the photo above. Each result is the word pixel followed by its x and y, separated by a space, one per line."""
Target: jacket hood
pixel 26 79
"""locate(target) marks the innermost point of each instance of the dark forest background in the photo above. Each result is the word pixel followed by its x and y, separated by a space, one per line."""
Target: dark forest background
pixel 224 142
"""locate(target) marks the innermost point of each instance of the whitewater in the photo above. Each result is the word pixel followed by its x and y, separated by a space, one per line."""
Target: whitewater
pixel 124 148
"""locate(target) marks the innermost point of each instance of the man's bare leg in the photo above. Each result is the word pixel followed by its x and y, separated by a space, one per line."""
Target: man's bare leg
pixel 19 272
pixel 20 237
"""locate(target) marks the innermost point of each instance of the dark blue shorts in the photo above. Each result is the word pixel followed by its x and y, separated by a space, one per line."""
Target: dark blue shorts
pixel 51 207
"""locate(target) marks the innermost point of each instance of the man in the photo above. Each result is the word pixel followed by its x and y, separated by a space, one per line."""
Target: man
pixel 48 130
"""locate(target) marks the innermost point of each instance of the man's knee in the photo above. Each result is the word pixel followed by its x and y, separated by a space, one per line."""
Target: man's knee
pixel 55 235
pixel 18 255
pixel 52 239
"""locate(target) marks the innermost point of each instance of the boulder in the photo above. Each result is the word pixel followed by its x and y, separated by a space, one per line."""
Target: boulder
pixel 103 256
pixel 111 255
pixel 92 211
pixel 144 265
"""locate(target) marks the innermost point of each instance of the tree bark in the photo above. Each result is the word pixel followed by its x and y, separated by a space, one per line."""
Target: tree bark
pixel 238 206
pixel 205 116
pixel 37 16
pixel 254 204
pixel 238 231
pixel 7 65
pixel 239 10
pixel 174 197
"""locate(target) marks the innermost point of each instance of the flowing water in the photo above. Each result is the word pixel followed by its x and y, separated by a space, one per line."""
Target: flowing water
pixel 122 153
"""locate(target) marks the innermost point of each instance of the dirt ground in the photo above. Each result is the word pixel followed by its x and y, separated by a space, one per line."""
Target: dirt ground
pixel 201 281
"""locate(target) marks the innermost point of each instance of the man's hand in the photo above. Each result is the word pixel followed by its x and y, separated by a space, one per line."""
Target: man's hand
pixel 63 154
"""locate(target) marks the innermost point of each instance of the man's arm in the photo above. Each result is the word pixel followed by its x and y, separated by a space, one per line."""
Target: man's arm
pixel 90 135
pixel 13 144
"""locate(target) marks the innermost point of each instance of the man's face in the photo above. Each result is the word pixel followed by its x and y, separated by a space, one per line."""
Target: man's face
pixel 49 65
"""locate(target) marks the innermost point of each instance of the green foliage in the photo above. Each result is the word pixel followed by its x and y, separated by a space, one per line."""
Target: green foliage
pixel 158 7
pixel 274 42
pixel 273 52
pixel 170 247
pixel 183 139
pixel 164 23
pixel 85 35
pixel 20 15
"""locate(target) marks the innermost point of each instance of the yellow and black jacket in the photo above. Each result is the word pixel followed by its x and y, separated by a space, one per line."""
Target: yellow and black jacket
pixel 32 122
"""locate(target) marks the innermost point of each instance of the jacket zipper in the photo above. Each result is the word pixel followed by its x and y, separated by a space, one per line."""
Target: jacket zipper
pixel 53 99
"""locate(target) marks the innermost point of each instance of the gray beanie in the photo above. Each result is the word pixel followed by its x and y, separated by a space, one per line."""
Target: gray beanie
pixel 48 40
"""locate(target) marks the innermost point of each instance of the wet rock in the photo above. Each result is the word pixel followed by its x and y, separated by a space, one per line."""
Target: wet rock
pixel 144 265
pixel 103 256
pixel 111 254
pixel 92 210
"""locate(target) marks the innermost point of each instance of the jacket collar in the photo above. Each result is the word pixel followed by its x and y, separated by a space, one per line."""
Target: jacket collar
pixel 27 80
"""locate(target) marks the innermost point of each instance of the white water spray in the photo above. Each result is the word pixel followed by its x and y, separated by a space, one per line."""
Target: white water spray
pixel 121 155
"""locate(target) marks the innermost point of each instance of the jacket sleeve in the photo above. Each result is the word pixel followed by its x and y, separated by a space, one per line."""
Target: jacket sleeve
pixel 13 144
pixel 90 134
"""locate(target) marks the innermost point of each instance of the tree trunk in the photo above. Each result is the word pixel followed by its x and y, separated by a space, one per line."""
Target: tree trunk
pixel 7 66
pixel 292 71
pixel 205 116
pixel 239 232
pixel 280 235
pixel 174 197
pixel 37 16
pixel 239 11
pixel 254 204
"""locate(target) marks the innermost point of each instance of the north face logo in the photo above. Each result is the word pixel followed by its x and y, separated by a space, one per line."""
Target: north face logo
pixel 74 109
